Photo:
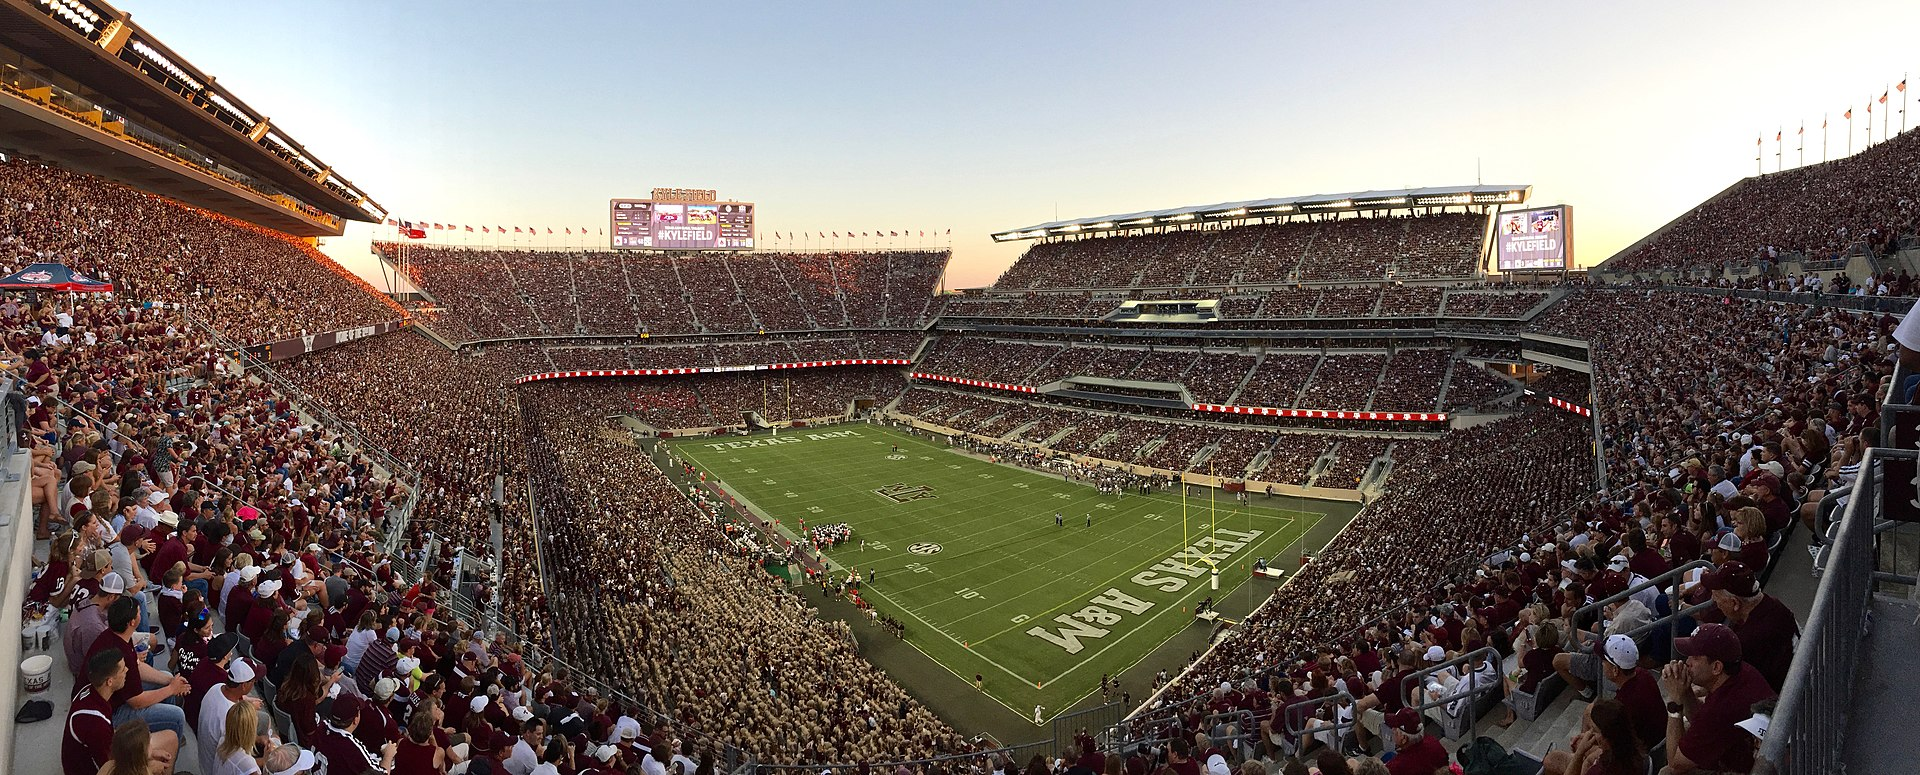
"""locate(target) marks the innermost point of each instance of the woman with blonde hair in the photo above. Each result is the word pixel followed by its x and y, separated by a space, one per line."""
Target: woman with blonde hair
pixel 235 754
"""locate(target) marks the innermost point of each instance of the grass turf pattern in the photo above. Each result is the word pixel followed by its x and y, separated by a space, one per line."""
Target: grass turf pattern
pixel 969 557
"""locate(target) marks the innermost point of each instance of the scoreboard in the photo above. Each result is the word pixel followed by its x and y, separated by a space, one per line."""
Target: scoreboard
pixel 651 224
pixel 1534 240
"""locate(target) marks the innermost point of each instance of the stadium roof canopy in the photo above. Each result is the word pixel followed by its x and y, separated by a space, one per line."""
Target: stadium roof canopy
pixel 1356 201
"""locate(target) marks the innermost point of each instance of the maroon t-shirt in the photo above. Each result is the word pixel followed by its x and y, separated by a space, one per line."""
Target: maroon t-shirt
pixel 1712 742
pixel 1421 758
pixel 1766 639
pixel 169 553
pixel 88 739
pixel 111 641
pixel 1645 709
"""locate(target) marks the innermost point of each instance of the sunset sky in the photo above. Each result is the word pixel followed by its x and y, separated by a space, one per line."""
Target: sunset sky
pixel 978 117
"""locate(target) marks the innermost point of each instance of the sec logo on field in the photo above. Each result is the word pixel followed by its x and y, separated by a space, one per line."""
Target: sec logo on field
pixel 924 548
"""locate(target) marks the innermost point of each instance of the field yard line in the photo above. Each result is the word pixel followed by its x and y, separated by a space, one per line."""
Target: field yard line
pixel 1133 632
pixel 1124 574
pixel 943 634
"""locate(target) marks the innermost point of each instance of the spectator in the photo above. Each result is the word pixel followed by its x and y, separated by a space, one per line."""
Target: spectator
pixel 1701 730
pixel 1765 625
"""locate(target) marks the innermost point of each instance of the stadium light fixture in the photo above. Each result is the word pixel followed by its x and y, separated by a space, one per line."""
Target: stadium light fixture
pixel 1071 227
pixel 1182 217
pixel 1103 225
pixel 1141 222
pixel 1276 209
pixel 1234 213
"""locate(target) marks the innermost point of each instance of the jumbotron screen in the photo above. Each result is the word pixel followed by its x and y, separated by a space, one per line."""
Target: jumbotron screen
pixel 645 224
pixel 1537 239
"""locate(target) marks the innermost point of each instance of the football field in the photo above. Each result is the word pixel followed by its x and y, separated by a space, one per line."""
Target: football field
pixel 969 556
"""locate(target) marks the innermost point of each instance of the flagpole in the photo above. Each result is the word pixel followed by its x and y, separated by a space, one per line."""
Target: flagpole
pixel 1823 138
pixel 1849 131
pixel 1903 103
pixel 1779 148
pixel 1883 114
pixel 1800 138
pixel 1758 170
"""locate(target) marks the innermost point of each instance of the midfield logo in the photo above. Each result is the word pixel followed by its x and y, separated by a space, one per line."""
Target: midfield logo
pixel 906 493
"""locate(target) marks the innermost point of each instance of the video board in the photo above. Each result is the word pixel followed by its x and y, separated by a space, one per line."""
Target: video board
pixel 647 224
pixel 1534 240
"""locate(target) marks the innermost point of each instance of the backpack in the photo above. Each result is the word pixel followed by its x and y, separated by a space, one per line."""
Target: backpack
pixel 1484 756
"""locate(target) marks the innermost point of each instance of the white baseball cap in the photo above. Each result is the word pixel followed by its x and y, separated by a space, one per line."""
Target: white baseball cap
pixel 1623 652
pixel 240 671
pixel 304 764
pixel 1436 654
pixel 1756 725
pixel 112 584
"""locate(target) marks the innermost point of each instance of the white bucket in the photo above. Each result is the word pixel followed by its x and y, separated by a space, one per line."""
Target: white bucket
pixel 36 673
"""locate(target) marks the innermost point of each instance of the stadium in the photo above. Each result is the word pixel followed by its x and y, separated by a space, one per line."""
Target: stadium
pixel 1382 480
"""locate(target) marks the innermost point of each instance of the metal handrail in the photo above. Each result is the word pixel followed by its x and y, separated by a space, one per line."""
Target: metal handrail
pixel 1298 712
pixel 1809 722
pixel 1675 575
pixel 1471 695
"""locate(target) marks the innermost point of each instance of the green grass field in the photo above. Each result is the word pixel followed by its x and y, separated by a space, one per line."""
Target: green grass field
pixel 969 557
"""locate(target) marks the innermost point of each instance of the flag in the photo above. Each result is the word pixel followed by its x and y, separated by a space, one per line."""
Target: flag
pixel 485 230
pixel 1849 114
pixel 569 229
pixel 392 222
pixel 836 235
pixel 1802 131
pixel 500 229
pixel 1902 87
pixel 949 231
pixel 413 231
pixel 1883 98
pixel 1776 136
pixel 516 230
pixel 469 229
pixel 549 229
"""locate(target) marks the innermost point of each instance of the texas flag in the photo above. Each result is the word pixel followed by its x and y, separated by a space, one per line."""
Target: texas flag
pixel 411 230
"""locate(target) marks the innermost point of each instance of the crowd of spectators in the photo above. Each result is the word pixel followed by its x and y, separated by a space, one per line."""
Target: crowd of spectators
pixel 1340 305
pixel 494 293
pixel 248 283
pixel 1362 248
pixel 228 607
pixel 1863 202
pixel 1707 457
pixel 1126 439
pixel 650 592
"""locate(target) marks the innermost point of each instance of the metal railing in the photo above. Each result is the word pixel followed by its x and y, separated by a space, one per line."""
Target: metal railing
pixel 1591 611
pixel 1470 699
pixel 1810 720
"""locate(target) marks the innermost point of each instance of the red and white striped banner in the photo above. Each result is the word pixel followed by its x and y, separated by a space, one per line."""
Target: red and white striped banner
pixel 1324 414
pixel 708 369
pixel 973 382
pixel 1570 406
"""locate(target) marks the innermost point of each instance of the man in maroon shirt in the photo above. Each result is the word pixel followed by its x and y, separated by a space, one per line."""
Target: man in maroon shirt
pixel 1765 625
pixel 1415 751
pixel 179 548
pixel 88 738
pixel 1701 733
pixel 130 702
